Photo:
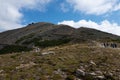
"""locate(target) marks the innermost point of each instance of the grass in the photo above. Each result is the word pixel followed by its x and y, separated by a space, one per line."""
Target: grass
pixel 68 58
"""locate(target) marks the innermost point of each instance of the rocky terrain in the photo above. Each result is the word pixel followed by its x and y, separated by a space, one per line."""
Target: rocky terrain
pixel 45 51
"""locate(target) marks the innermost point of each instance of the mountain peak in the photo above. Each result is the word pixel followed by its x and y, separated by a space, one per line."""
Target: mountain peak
pixel 49 31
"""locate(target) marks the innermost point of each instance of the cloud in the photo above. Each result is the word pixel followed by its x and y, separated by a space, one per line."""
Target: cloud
pixel 105 25
pixel 10 11
pixel 64 7
pixel 95 7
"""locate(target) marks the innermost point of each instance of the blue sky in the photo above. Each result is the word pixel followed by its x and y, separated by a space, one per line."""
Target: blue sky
pixel 102 14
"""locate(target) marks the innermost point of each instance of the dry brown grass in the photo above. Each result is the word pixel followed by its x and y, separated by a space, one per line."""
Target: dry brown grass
pixel 67 58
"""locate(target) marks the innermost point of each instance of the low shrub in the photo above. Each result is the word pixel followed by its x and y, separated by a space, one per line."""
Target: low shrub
pixel 14 48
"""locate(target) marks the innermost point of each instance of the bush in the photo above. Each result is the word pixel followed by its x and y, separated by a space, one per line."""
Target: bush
pixel 14 48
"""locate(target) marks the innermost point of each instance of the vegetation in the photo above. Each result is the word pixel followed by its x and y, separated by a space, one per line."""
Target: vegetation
pixel 116 40
pixel 37 39
pixel 62 65
pixel 48 43
pixel 13 48
pixel 25 37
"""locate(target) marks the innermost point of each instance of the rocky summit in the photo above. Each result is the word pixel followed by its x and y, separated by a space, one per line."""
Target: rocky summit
pixel 46 51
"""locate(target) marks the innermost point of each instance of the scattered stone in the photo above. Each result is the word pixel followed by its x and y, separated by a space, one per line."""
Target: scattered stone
pixel 36 49
pixel 82 68
pixel 63 74
pixel 92 74
pixel 49 52
pixel 30 64
pixel 78 79
pixel 98 72
pixel 119 53
pixel 93 63
pixel 111 74
pixel 80 73
pixel 100 77
pixel 1 71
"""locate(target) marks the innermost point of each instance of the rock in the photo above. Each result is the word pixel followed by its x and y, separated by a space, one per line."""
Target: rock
pixel 110 74
pixel 80 73
pixel 100 77
pixel 82 68
pixel 30 64
pixel 61 73
pixel 49 52
pixel 93 63
pixel 78 79
pixel 98 72
pixel 119 53
pixel 92 74
pixel 1 71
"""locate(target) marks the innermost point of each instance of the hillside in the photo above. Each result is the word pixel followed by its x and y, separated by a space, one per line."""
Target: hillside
pixel 47 34
pixel 49 31
pixel 66 62
pixel 45 51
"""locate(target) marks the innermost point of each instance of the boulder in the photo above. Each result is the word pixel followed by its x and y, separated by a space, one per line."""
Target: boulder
pixel 48 52
pixel 80 73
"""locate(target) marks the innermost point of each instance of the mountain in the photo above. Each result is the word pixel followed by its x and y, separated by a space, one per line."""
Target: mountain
pixel 47 34
pixel 45 51
pixel 51 31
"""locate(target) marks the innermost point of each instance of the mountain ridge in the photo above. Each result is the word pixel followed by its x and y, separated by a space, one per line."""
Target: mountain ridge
pixel 35 33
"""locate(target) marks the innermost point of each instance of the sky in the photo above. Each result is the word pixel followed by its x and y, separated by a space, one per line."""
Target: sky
pixel 103 15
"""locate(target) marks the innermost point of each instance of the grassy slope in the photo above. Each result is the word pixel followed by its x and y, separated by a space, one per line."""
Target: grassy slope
pixel 68 58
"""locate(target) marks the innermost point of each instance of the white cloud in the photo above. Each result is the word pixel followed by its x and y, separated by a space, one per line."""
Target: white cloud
pixel 96 7
pixel 64 7
pixel 10 11
pixel 105 25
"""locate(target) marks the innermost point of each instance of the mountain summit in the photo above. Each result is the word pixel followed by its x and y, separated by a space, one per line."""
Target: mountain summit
pixel 51 31
pixel 44 34
pixel 45 51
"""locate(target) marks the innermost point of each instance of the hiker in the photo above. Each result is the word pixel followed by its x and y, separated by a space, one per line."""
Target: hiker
pixel 115 45
pixel 105 44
